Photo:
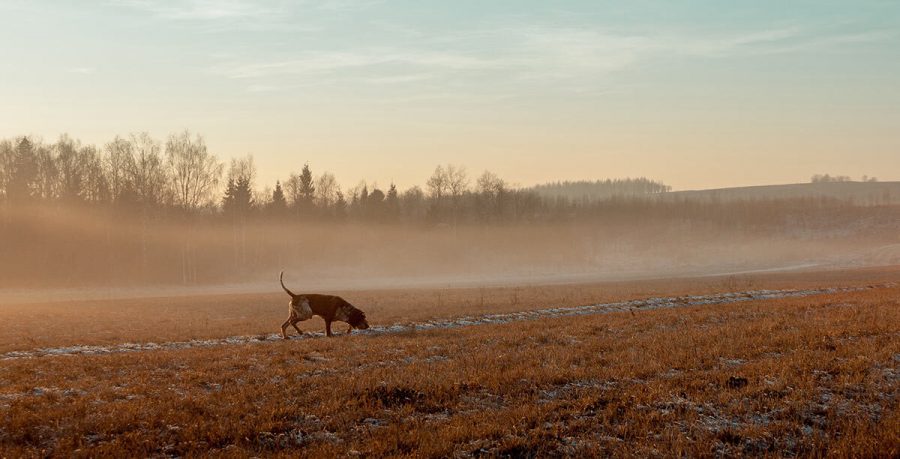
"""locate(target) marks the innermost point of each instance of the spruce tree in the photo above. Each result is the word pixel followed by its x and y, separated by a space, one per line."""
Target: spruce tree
pixel 279 202
pixel 392 202
pixel 307 189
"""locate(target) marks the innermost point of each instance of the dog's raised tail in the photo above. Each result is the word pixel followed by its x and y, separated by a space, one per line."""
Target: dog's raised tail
pixel 281 279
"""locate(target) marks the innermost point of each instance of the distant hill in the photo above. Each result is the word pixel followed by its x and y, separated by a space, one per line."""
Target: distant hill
pixel 861 193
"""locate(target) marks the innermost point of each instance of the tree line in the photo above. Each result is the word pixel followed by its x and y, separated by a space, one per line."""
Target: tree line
pixel 828 178
pixel 180 176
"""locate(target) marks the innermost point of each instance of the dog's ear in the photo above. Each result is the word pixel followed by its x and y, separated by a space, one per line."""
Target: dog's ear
pixel 356 316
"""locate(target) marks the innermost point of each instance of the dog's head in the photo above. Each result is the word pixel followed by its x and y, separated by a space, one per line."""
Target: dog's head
pixel 357 319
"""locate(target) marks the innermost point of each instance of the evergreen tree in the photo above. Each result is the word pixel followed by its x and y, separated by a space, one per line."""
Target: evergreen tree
pixel 229 198
pixel 340 206
pixel 392 203
pixel 306 189
pixel 238 196
pixel 279 202
pixel 23 173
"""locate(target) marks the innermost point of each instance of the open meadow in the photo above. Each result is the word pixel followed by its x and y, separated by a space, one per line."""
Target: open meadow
pixel 781 364
pixel 332 228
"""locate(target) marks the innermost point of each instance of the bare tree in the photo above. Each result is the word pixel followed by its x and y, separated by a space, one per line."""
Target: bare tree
pixel 194 175
pixel 243 169
pixel 489 183
pixel 6 160
pixel 148 178
pixel 95 187
pixel 46 184
pixel 448 180
pixel 118 163
pixel 194 172
pixel 70 167
pixel 490 191
pixel 292 186
pixel 147 172
pixel 78 169
pixel 457 180
pixel 326 190
pixel 437 183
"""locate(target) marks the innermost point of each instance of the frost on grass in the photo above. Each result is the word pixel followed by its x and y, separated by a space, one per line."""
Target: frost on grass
pixel 601 308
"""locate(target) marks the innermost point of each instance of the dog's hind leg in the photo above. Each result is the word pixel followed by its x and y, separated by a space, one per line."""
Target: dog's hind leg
pixel 294 324
pixel 328 328
pixel 284 327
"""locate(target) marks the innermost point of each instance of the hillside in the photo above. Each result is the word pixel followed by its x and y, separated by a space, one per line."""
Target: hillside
pixel 862 193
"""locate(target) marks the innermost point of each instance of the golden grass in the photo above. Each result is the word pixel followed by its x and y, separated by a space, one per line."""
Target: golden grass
pixel 810 376
pixel 103 322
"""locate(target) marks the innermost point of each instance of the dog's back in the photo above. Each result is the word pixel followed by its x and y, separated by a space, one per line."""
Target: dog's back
pixel 326 306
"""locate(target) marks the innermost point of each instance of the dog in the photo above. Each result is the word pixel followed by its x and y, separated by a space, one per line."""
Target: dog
pixel 329 307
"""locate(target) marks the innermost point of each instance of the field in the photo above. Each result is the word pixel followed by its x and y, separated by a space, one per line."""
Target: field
pixel 706 366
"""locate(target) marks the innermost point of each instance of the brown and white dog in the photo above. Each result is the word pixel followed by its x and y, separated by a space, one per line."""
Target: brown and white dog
pixel 329 307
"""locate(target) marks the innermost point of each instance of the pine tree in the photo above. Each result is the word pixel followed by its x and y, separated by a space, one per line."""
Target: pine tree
pixel 279 202
pixel 340 206
pixel 228 199
pixel 238 196
pixel 392 202
pixel 23 172
pixel 307 189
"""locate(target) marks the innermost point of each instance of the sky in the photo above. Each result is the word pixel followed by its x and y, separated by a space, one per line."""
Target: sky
pixel 698 94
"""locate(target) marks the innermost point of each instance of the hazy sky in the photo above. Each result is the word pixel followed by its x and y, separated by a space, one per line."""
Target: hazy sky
pixel 695 93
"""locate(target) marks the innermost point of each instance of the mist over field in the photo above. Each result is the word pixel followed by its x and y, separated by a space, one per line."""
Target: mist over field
pixel 469 229
pixel 138 213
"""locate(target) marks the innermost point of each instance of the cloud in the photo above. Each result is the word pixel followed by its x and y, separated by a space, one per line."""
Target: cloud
pixel 323 62
pixel 580 58
pixel 205 10
pixel 82 70
pixel 346 5
pixel 261 88
pixel 218 10
pixel 399 79
pixel 832 41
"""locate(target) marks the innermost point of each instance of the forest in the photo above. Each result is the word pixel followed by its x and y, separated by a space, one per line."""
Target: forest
pixel 141 210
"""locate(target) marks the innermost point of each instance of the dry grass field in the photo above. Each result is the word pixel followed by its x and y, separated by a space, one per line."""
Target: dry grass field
pixel 807 376
pixel 99 322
